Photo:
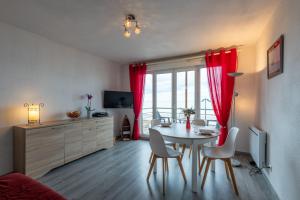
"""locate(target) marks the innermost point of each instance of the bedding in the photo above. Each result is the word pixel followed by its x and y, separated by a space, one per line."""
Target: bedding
pixel 18 186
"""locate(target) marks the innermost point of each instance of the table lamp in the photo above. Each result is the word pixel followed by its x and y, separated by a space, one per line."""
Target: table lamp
pixel 34 112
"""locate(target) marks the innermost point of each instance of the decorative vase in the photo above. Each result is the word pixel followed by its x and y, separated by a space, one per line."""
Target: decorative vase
pixel 88 114
pixel 188 123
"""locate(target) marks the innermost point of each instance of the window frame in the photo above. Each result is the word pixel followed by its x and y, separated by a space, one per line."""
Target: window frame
pixel 174 91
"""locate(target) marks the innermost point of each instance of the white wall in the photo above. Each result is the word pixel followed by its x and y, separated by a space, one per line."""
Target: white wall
pixel 34 69
pixel 278 104
pixel 125 86
pixel 245 100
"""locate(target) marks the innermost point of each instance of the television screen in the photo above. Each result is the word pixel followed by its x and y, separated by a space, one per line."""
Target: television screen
pixel 118 99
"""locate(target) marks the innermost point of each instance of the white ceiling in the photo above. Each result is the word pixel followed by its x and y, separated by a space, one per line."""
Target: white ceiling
pixel 169 27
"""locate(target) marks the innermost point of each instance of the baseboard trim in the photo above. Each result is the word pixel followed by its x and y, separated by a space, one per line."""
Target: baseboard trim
pixel 269 182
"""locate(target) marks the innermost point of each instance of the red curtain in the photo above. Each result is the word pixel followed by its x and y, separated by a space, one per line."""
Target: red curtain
pixel 221 86
pixel 137 73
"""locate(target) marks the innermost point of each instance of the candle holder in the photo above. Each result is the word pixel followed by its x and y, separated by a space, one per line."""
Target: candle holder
pixel 34 112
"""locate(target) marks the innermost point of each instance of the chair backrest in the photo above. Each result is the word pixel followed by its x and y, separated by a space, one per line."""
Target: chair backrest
pixel 155 122
pixel 229 145
pixel 157 143
pixel 199 122
pixel 157 115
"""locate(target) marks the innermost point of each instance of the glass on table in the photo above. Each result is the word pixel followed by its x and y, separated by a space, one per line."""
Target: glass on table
pixel 195 128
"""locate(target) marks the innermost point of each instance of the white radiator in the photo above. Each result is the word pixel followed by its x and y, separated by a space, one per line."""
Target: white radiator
pixel 258 141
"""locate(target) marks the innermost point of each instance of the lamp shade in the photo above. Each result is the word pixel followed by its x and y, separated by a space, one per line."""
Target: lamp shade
pixel 33 112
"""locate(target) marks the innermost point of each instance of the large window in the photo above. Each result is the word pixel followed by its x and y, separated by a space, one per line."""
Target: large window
pixel 206 109
pixel 185 92
pixel 168 92
pixel 147 112
pixel 164 96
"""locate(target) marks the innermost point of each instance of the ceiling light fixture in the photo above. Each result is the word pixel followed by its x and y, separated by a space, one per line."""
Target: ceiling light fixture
pixel 129 21
pixel 126 33
pixel 137 29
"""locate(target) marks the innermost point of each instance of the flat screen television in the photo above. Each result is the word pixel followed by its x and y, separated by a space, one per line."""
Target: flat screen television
pixel 118 99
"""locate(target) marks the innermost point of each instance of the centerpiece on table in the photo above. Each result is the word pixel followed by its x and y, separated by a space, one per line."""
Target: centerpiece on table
pixel 88 107
pixel 187 113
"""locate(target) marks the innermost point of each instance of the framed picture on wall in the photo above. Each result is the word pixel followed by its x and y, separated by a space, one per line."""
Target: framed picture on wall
pixel 275 58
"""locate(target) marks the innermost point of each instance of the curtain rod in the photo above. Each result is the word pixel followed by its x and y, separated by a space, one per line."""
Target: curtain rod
pixel 188 57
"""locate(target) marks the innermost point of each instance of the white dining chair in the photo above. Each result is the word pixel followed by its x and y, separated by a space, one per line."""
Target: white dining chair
pixel 199 122
pixel 160 150
pixel 225 153
pixel 156 122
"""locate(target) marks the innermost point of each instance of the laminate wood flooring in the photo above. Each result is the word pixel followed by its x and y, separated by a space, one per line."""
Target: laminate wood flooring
pixel 120 173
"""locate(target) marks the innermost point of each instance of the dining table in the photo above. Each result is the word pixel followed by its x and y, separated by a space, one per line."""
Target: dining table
pixel 195 136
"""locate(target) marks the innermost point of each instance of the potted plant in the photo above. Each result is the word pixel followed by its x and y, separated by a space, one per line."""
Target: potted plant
pixel 187 113
pixel 88 107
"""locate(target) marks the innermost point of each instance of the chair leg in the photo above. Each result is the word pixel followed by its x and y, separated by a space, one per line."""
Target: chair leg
pixel 151 167
pixel 202 164
pixel 174 146
pixel 191 148
pixel 150 157
pixel 183 149
pixel 226 169
pixel 181 168
pixel 232 176
pixel 205 173
pixel 163 168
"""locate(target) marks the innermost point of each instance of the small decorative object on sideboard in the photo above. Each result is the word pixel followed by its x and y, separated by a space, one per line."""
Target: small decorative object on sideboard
pixel 188 112
pixel 34 113
pixel 88 107
pixel 125 129
pixel 100 114
pixel 73 114
pixel 275 58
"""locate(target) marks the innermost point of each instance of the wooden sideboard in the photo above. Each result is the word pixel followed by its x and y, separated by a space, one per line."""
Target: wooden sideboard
pixel 40 148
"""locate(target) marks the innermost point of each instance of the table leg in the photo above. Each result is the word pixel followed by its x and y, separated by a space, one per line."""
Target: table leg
pixel 213 166
pixel 155 167
pixel 194 168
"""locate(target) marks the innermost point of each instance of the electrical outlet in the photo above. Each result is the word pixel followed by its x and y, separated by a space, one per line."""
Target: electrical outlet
pixel 270 167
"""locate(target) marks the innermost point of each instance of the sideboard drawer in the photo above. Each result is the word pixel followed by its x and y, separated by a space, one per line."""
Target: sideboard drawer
pixel 45 150
pixel 89 140
pixel 73 142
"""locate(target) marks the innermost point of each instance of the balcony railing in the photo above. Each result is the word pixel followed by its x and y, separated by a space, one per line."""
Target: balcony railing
pixel 205 113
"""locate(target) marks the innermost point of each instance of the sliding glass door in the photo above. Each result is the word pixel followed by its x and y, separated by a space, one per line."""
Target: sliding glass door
pixel 185 90
pixel 157 102
pixel 147 111
pixel 167 93
pixel 164 101
pixel 206 109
